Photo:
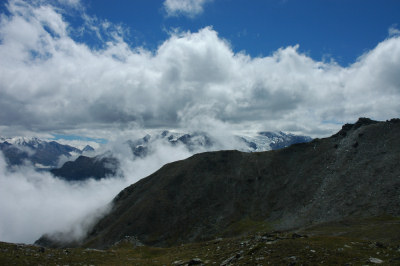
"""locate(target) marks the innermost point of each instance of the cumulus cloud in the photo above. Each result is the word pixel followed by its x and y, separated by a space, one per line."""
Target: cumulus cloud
pixel 189 8
pixel 50 82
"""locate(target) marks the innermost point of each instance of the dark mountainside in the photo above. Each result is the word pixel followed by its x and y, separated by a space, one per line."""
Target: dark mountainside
pixel 87 167
pixel 354 173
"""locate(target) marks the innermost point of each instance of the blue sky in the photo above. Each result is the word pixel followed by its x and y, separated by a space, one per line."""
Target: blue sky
pixel 341 30
pixel 80 138
pixel 99 68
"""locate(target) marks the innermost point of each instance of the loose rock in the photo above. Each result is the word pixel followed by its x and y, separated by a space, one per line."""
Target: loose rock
pixel 375 260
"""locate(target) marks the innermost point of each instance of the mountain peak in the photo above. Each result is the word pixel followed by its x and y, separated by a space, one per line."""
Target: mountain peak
pixel 361 122
pixel 19 140
pixel 88 148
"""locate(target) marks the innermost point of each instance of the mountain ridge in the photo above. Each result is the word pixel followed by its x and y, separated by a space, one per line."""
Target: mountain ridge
pixel 352 173
pixel 41 153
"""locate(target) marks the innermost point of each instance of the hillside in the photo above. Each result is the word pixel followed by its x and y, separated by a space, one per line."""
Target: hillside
pixel 354 173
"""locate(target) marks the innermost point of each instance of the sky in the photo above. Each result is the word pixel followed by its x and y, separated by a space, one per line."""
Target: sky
pixel 96 69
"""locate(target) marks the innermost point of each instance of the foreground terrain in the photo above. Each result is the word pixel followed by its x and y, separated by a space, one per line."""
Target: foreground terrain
pixel 367 241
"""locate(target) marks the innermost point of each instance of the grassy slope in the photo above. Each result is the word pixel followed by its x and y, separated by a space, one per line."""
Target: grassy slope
pixel 351 242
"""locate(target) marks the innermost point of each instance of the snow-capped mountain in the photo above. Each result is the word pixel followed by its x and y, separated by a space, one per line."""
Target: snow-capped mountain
pixel 107 165
pixel 48 154
pixel 264 141
pixel 41 153
pixel 202 141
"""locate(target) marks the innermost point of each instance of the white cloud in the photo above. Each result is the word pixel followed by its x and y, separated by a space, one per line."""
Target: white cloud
pixel 189 8
pixel 49 82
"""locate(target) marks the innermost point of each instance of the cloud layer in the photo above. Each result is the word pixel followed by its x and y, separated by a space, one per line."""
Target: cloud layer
pixel 51 82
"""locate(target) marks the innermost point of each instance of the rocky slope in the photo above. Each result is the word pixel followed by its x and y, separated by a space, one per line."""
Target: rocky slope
pixel 353 173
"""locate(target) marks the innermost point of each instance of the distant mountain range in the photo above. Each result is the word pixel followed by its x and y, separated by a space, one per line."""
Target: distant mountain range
pixel 354 173
pixel 42 154
pixel 106 165
pixel 202 141
pixel 46 154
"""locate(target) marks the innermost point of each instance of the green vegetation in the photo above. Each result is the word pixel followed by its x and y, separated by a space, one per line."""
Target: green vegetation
pixel 349 242
pixel 381 228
